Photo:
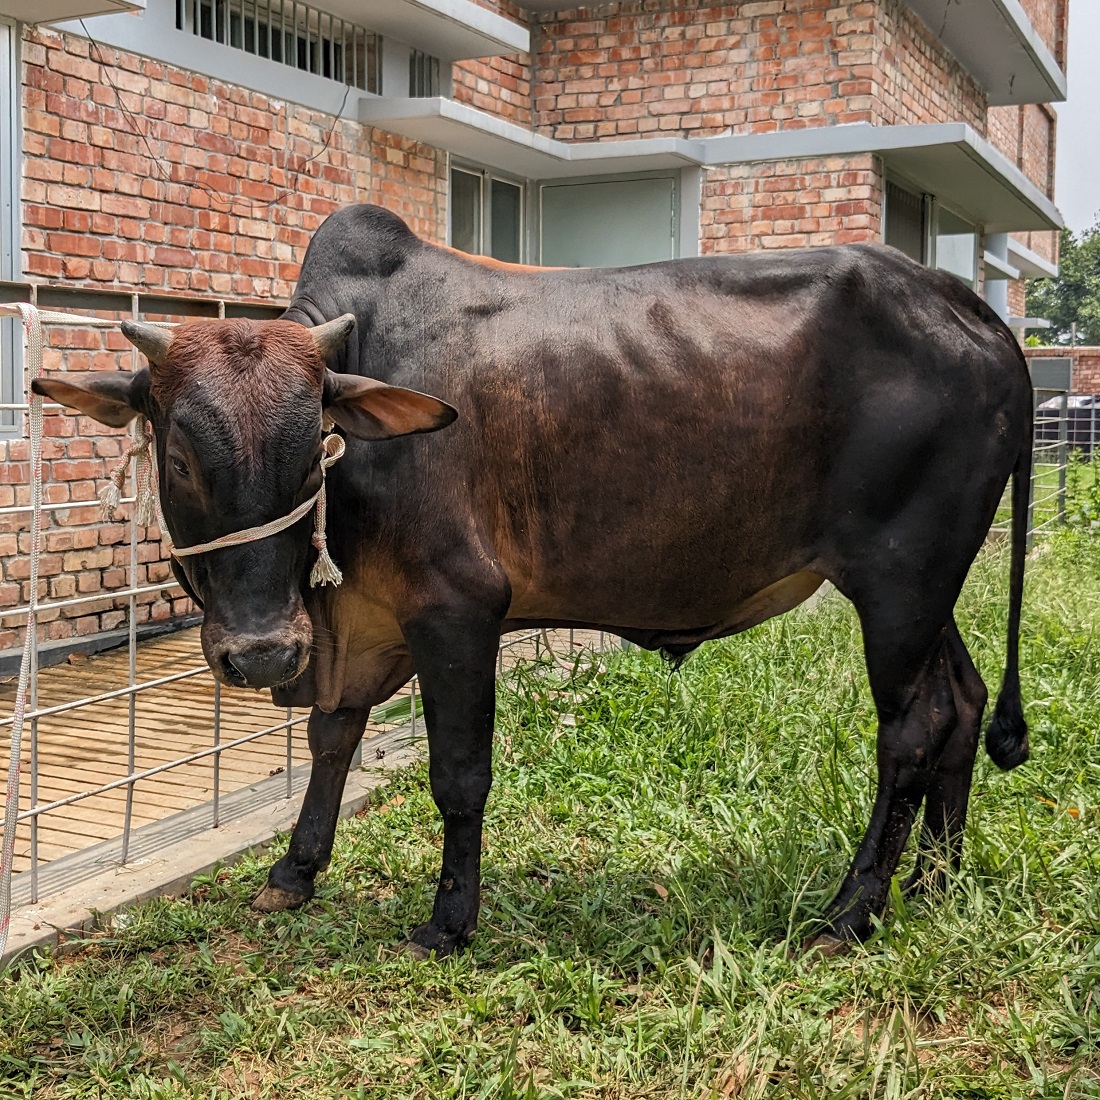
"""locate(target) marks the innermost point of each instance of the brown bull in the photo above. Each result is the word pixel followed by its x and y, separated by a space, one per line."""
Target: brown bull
pixel 673 452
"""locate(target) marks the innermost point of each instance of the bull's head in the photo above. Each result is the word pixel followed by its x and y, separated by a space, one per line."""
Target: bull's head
pixel 237 410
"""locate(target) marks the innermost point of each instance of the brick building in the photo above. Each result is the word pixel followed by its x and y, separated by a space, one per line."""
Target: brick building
pixel 190 148
pixel 1084 365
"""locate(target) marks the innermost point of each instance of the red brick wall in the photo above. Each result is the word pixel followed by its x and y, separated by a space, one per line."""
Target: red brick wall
pixel 1003 131
pixel 220 193
pixel 499 85
pixel 1026 135
pixel 246 187
pixel 916 79
pixel 659 66
pixel 1036 156
pixel 833 200
pixel 1086 370
pixel 1086 365
pixel 1017 298
pixel 656 66
pixel 1049 19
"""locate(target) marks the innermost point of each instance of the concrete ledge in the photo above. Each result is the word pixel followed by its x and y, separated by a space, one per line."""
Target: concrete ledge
pixel 87 905
pixel 56 652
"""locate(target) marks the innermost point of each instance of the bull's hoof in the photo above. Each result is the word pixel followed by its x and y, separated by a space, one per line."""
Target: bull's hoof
pixel 426 939
pixel 274 899
pixel 409 947
pixel 827 945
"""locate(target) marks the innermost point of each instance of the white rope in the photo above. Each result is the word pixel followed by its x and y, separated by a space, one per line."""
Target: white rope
pixel 32 344
pixel 248 534
pixel 52 317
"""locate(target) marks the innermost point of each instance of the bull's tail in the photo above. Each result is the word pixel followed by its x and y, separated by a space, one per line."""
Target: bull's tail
pixel 1006 738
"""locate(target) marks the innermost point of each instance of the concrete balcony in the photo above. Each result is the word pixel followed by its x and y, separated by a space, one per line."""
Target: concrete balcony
pixel 948 160
pixel 34 11
pixel 996 43
pixel 451 30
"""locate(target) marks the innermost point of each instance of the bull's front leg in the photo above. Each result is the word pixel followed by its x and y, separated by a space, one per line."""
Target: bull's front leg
pixel 455 654
pixel 332 742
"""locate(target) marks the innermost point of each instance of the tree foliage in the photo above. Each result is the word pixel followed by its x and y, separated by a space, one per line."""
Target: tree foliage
pixel 1074 297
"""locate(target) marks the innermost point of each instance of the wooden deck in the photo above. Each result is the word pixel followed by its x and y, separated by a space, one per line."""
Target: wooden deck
pixel 87 747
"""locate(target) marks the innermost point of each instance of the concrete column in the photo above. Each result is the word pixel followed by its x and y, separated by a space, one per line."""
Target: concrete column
pixel 996 290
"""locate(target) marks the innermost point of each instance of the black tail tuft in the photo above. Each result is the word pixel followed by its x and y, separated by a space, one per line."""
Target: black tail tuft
pixel 1006 738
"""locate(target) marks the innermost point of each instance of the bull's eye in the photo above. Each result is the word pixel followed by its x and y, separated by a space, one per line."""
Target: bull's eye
pixel 180 467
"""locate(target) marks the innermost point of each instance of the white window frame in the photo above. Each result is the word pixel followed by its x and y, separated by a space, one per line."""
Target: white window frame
pixel 487 176
pixel 934 222
pixel 11 129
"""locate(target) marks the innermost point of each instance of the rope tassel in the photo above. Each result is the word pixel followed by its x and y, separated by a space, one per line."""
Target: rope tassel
pixel 110 496
pixel 325 570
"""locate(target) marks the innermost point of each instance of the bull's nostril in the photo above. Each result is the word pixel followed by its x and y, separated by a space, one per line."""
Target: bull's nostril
pixel 261 664
pixel 232 673
pixel 290 666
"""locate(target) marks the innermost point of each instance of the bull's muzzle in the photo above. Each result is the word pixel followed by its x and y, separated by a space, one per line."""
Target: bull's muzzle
pixel 241 661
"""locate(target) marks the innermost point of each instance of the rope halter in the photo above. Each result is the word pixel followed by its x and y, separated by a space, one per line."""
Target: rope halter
pixel 147 508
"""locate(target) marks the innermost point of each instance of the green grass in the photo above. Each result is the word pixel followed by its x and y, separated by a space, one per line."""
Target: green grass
pixel 658 846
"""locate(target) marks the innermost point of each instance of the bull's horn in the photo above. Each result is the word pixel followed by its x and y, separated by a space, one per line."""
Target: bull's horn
pixel 151 340
pixel 330 336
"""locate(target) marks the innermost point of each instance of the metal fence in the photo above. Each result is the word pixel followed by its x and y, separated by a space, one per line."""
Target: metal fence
pixel 36 717
pixel 1067 432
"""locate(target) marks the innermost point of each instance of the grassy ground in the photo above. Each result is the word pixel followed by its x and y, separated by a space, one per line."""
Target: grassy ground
pixel 658 843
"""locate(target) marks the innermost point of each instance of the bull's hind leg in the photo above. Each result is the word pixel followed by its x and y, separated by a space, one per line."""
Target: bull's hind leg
pixel 908 667
pixel 948 794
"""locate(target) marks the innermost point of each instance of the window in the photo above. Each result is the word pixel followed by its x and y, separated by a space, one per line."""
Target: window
pixel 11 386
pixel 609 222
pixel 906 219
pixel 486 214
pixel 956 247
pixel 930 233
pixel 423 75
pixel 291 33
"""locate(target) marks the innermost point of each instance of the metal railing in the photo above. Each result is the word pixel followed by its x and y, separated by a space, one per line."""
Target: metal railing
pixel 1050 459
pixel 298 35
pixel 424 78
pixel 1066 431
pixel 135 685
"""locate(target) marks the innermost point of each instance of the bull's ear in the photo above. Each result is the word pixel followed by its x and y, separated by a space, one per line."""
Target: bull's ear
pixel 370 409
pixel 113 397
